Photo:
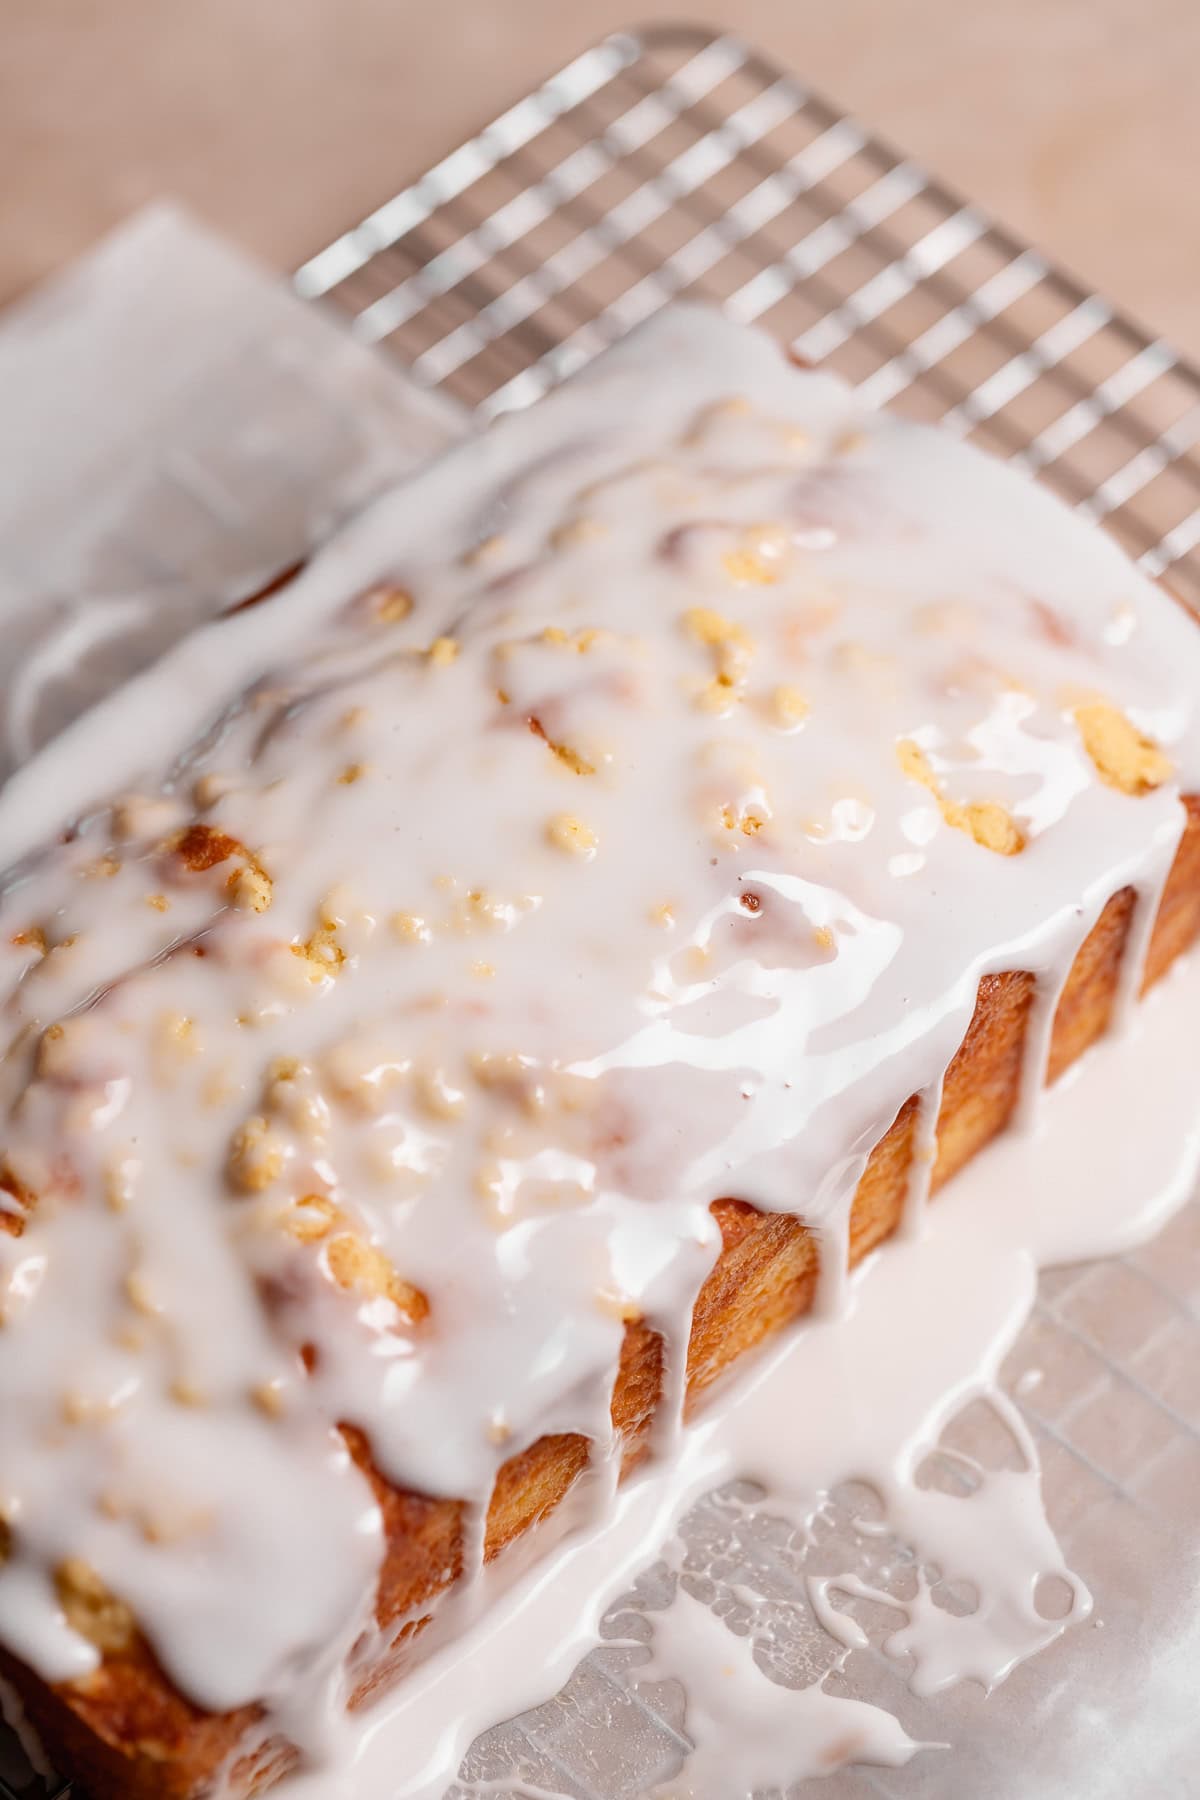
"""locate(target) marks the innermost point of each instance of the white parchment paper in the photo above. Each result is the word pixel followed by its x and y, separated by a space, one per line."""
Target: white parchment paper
pixel 175 429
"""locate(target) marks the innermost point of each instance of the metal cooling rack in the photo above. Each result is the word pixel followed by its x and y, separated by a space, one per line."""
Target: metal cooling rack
pixel 676 162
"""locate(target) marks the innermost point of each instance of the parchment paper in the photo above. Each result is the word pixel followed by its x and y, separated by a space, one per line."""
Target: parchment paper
pixel 175 429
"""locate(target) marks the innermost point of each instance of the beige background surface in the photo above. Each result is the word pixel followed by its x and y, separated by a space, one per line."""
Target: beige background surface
pixel 283 121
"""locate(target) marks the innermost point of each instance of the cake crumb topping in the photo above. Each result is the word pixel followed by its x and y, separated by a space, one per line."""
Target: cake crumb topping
pixel 1122 756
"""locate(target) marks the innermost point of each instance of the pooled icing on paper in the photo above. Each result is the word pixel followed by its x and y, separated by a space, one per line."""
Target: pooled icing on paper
pixel 620 817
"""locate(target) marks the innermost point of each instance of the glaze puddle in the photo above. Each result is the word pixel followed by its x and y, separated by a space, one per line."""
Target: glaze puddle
pixel 872 1397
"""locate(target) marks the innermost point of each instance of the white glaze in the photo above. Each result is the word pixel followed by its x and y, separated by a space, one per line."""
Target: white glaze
pixel 868 1396
pixel 919 594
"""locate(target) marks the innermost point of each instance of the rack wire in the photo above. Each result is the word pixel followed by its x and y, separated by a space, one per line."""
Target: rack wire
pixel 677 162
pixel 673 162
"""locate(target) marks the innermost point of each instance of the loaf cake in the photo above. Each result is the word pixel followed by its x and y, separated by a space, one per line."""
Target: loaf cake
pixel 461 1005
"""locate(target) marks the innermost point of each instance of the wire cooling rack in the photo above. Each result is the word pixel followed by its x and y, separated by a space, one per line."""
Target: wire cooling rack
pixel 675 162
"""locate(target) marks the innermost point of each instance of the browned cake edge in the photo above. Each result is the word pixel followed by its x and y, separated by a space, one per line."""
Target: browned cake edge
pixel 127 1734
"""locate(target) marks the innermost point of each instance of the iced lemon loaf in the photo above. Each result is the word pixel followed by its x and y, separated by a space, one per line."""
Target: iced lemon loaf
pixel 472 997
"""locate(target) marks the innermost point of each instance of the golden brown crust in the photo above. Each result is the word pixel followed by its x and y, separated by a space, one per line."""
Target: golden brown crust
pixel 1178 921
pixel 127 1734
